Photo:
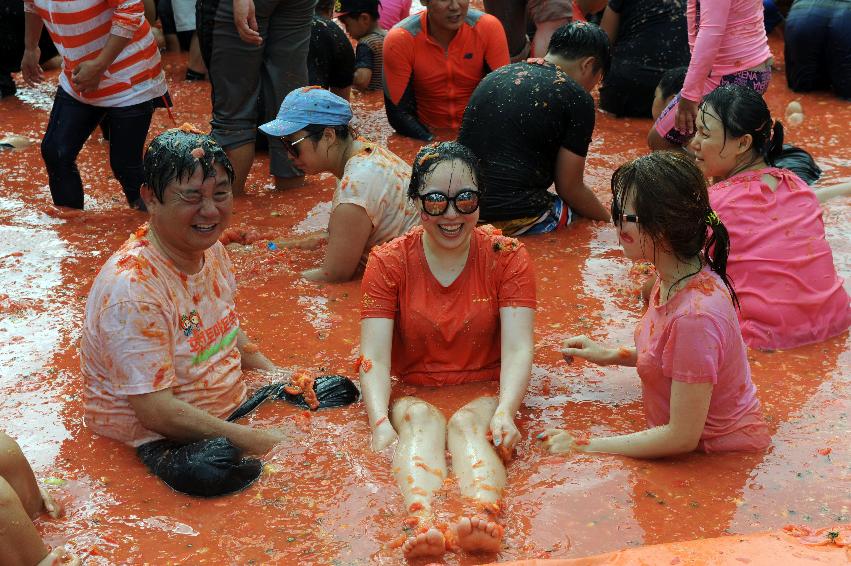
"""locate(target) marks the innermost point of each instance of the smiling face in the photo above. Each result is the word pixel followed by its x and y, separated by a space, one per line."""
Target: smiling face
pixel 194 213
pixel 716 153
pixel 451 230
pixel 446 15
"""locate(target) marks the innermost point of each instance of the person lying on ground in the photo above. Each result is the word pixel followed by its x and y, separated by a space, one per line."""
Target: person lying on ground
pixel 447 303
pixel 648 37
pixel 21 501
pixel 162 350
pixel 360 18
pixel 432 63
pixel 369 205
pixel 783 266
pixel 728 46
pixel 530 124
pixel 331 59
pixel 695 378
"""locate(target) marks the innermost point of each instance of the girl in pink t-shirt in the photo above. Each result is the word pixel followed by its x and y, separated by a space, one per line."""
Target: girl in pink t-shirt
pixel 728 46
pixel 780 261
pixel 695 379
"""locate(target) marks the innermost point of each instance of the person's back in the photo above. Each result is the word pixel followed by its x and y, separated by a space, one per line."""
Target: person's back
pixel 817 46
pixel 649 37
pixel 781 263
pixel 331 59
pixel 517 120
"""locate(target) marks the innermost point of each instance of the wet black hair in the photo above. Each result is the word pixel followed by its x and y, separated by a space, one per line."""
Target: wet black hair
pixel 672 81
pixel 742 110
pixel 672 205
pixel 315 131
pixel 430 155
pixel 170 157
pixel 372 13
pixel 324 6
pixel 576 40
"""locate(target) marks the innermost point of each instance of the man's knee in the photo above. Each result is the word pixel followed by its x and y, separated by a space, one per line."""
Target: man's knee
pixel 11 455
pixel 54 155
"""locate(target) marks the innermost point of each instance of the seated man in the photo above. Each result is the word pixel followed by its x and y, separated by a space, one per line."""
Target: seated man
pixel 162 349
pixel 530 123
pixel 434 60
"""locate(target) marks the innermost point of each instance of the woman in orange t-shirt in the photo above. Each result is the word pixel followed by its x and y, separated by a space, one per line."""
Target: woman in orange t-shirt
pixel 445 304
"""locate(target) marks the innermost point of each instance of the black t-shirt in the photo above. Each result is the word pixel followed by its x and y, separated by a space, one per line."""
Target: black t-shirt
pixel 516 121
pixel 651 33
pixel 331 60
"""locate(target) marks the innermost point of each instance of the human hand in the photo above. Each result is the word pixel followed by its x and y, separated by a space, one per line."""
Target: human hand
pixel 30 69
pixel 264 440
pixel 584 347
pixel 558 441
pixel 87 75
pixel 246 22
pixel 686 116
pixel 504 434
pixel 383 435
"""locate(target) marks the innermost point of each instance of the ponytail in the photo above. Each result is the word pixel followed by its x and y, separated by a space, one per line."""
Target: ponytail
pixel 716 251
pixel 774 148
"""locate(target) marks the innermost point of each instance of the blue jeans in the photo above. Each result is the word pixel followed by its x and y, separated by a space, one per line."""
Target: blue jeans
pixel 71 123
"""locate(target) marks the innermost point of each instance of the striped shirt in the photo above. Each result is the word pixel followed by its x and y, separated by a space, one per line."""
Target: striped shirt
pixel 80 30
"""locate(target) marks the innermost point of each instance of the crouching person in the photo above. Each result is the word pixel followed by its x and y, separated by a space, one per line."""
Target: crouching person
pixel 162 349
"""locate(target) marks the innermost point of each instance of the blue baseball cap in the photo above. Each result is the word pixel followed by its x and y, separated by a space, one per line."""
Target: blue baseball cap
pixel 308 105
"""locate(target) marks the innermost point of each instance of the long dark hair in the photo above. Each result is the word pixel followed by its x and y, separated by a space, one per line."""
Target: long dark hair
pixel 742 110
pixel 430 155
pixel 672 205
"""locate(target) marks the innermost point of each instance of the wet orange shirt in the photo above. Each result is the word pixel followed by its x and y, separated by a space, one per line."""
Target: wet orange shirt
pixel 443 80
pixel 446 335
pixel 150 327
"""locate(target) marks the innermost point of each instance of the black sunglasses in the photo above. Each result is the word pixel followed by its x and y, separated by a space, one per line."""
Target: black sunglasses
pixel 291 146
pixel 435 203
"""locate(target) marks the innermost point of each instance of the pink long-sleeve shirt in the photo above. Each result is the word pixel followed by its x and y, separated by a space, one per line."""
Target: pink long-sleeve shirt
pixel 725 36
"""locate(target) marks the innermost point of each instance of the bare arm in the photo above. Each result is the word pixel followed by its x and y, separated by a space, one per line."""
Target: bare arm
pixel 517 346
pixel 571 187
pixel 610 24
pixel 585 348
pixel 306 242
pixel 362 78
pixel 252 357
pixel 30 68
pixel 689 407
pixel 591 6
pixel 375 343
pixel 348 232
pixel 826 193
pixel 167 415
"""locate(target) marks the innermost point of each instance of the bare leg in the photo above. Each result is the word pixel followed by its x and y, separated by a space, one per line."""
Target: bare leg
pixel 543 33
pixel 196 62
pixel 419 466
pixel 15 469
pixel 20 543
pixel 241 157
pixel 480 473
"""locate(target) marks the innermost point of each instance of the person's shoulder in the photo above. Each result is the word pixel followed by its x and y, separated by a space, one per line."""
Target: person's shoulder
pixel 705 297
pixel 410 27
pixel 132 273
pixel 395 253
pixel 375 162
pixel 492 241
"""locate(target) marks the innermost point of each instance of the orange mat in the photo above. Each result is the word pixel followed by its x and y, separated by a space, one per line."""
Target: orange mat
pixel 764 549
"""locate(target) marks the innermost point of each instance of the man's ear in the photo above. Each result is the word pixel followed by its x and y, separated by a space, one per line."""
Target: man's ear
pixel 148 196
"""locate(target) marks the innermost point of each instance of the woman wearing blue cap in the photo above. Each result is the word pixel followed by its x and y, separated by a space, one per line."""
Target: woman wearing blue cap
pixel 370 205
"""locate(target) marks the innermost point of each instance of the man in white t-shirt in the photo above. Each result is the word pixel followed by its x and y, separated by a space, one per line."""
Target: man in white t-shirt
pixel 162 349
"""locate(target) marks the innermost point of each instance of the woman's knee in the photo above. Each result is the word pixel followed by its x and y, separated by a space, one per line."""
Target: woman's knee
pixel 472 416
pixel 413 410
pixel 8 496
pixel 11 455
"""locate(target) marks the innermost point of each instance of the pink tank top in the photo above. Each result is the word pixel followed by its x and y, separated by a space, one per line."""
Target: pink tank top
pixel 780 263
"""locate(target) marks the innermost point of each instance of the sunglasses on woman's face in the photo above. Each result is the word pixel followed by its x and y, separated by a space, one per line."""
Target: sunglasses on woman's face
pixel 435 203
pixel 291 146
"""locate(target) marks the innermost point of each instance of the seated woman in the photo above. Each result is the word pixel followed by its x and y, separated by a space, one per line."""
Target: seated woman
pixel 448 303
pixel 369 205
pixel 689 353
pixel 781 263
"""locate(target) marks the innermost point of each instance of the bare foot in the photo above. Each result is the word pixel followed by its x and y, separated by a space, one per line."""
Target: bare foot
pixel 60 557
pixel 478 535
pixel 429 543
pixel 51 507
